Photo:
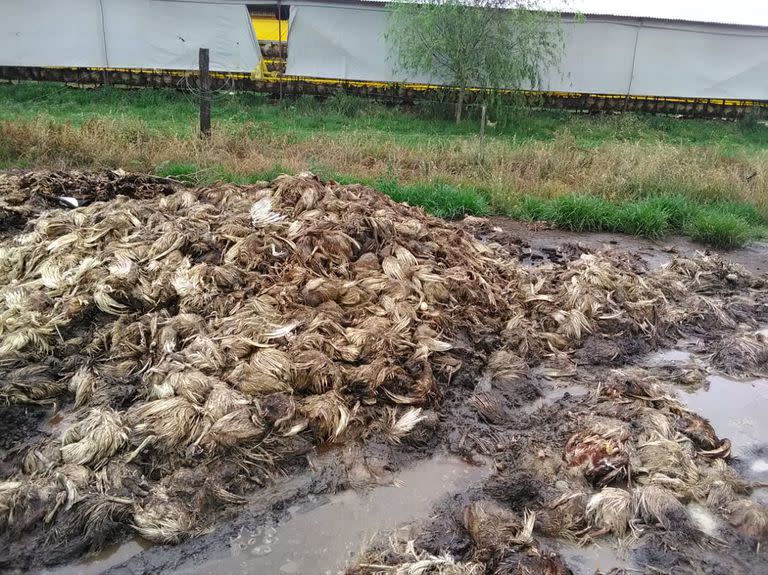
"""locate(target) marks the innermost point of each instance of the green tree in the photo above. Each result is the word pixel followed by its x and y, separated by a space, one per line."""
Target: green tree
pixel 486 44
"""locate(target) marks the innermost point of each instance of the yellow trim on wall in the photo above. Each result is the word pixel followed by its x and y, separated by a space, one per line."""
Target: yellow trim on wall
pixel 269 28
pixel 426 87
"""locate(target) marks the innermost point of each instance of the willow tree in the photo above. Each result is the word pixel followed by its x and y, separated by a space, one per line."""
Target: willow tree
pixel 491 45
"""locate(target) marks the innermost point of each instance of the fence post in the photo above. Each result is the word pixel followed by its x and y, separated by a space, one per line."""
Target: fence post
pixel 104 75
pixel 483 112
pixel 205 93
pixel 283 60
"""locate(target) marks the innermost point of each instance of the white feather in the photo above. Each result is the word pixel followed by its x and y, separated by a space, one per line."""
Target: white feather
pixel 262 214
pixel 406 422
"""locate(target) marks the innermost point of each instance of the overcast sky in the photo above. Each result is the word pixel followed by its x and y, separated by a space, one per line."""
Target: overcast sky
pixel 733 11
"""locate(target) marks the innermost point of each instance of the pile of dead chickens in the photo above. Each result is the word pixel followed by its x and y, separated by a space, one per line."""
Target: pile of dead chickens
pixel 193 341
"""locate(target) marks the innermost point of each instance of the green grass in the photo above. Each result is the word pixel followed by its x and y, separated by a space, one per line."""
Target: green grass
pixel 439 199
pixel 173 112
pixel 721 229
pixel 643 218
pixel 720 224
pixel 643 175
pixel 582 213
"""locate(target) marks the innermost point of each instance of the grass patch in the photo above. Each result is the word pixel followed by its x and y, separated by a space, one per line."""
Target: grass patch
pixel 740 210
pixel 581 213
pixel 185 173
pixel 531 208
pixel 724 225
pixel 644 218
pixel 721 229
pixel 173 112
pixel 642 175
pixel 676 209
pixel 439 199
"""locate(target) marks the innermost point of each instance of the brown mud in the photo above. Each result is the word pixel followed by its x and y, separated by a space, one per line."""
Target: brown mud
pixel 543 243
pixel 591 455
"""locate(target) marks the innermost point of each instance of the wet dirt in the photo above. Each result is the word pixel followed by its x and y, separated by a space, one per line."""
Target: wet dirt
pixel 592 559
pixel 671 356
pixel 553 392
pixel 320 534
pixel 542 243
pixel 100 562
pixel 737 409
pixel 324 534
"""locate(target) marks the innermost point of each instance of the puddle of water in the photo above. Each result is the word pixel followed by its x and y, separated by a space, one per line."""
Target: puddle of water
pixel 682 354
pixel 737 411
pixel 531 259
pixel 557 393
pixel 670 356
pixel 592 559
pixel 553 394
pixel 100 562
pixel 321 541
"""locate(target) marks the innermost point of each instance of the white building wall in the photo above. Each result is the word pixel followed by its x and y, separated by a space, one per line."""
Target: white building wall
pixel 151 34
pixel 699 61
pixel 50 33
pixel 168 35
pixel 342 42
pixel 597 58
pixel 603 55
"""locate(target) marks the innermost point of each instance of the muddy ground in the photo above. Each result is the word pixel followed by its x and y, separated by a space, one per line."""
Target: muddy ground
pixel 542 242
pixel 614 416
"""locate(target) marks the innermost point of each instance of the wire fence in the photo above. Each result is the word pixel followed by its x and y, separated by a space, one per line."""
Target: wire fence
pixel 290 87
